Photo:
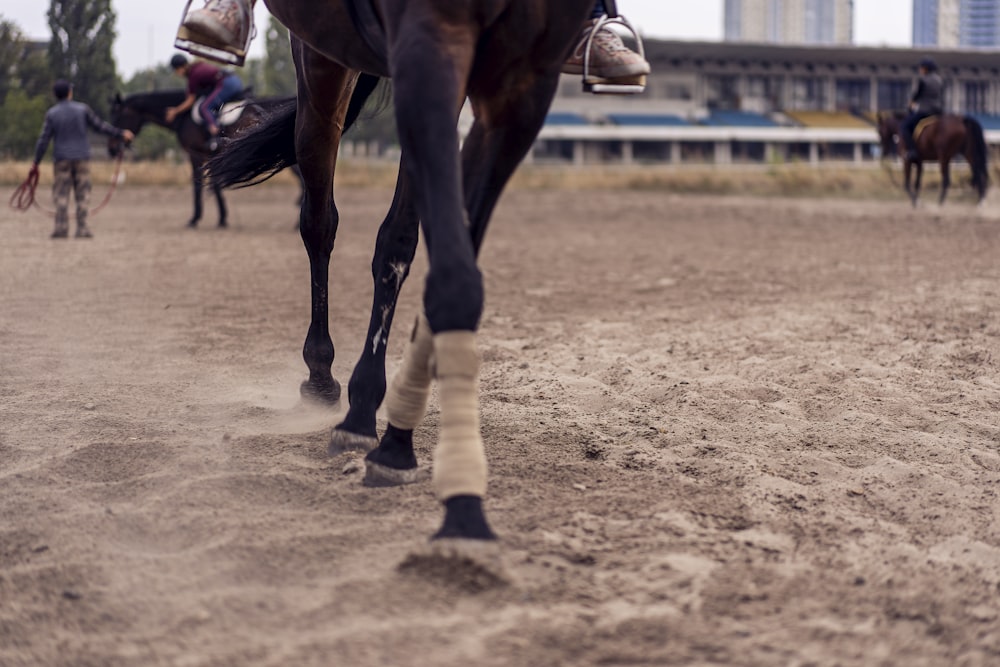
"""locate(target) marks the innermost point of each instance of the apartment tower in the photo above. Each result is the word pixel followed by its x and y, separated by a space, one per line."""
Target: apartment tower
pixel 790 21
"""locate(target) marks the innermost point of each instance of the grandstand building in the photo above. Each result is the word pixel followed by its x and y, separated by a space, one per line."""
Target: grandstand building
pixel 729 102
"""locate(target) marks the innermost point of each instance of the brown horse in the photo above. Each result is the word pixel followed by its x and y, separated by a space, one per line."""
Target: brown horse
pixel 135 111
pixel 938 138
pixel 504 56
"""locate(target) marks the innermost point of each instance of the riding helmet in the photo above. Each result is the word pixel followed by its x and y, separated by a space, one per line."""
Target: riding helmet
pixel 178 61
pixel 928 64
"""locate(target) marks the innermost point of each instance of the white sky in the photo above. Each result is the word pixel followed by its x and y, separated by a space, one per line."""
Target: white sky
pixel 146 27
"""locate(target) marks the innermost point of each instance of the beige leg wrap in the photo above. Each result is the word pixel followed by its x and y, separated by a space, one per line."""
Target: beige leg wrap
pixel 406 401
pixel 459 460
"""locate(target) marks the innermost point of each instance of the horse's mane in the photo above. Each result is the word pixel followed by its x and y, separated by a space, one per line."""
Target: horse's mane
pixel 158 100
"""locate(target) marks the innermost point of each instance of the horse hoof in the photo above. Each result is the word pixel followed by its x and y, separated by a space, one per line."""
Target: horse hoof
pixel 378 475
pixel 193 224
pixel 345 441
pixel 325 394
pixel 471 565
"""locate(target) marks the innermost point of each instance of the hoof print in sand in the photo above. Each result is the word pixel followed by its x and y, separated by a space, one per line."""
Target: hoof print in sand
pixel 469 565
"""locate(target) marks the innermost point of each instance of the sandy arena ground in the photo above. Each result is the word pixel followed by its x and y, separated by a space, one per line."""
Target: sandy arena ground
pixel 722 431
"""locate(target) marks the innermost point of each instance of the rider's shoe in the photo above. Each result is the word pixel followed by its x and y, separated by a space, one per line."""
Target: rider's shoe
pixel 220 26
pixel 610 59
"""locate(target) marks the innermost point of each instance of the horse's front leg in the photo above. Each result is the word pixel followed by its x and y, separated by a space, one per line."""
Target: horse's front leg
pixel 197 184
pixel 324 92
pixel 394 251
pixel 426 108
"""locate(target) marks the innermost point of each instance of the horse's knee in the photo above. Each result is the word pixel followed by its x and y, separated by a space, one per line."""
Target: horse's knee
pixel 454 297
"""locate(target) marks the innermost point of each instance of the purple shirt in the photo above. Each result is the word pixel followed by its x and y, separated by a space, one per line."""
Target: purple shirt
pixel 202 78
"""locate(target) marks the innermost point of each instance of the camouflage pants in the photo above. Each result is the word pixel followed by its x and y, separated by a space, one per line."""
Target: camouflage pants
pixel 71 175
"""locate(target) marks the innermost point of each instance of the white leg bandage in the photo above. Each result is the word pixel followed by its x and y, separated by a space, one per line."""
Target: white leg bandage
pixel 406 401
pixel 459 460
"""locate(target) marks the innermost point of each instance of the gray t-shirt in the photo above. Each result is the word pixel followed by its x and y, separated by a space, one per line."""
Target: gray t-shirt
pixel 928 94
pixel 66 123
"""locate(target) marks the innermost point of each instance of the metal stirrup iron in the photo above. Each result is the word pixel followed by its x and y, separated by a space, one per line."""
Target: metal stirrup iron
pixel 597 85
pixel 184 42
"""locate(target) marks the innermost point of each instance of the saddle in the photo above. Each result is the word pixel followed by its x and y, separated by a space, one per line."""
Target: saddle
pixel 229 114
pixel 923 124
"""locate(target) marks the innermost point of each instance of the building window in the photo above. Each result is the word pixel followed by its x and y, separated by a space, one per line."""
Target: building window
pixel 853 94
pixel 894 94
pixel 808 94
pixel 976 96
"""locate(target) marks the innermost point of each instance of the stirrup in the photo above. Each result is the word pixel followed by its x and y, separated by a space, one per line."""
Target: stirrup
pixel 600 86
pixel 188 41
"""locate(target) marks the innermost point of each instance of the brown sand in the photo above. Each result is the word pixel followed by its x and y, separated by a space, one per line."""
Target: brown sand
pixel 721 432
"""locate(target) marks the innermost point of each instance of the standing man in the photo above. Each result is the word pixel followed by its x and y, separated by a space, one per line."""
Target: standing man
pixel 66 124
pixel 927 100
pixel 215 86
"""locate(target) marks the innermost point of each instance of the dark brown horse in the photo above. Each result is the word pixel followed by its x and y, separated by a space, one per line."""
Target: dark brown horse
pixel 135 111
pixel 505 57
pixel 938 138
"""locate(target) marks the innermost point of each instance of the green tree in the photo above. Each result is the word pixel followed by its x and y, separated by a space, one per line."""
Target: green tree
pixel 160 77
pixel 279 70
pixel 10 53
pixel 21 118
pixel 83 32
pixel 24 91
pixel 22 64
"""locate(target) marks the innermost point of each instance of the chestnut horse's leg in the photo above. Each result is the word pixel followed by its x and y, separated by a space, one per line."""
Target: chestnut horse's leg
pixel 945 178
pixel 324 91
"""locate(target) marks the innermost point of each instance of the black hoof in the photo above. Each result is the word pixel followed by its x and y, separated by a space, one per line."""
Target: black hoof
pixel 378 475
pixel 193 224
pixel 393 462
pixel 327 393
pixel 464 519
pixel 223 224
pixel 342 442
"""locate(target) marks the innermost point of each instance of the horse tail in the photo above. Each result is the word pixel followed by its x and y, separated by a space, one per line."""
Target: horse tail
pixel 256 155
pixel 975 153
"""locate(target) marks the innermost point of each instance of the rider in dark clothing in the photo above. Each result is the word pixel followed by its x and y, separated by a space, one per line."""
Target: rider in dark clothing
pixel 927 100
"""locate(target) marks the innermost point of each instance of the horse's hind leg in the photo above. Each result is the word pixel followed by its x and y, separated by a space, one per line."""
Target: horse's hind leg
pixel 324 92
pixel 221 202
pixel 945 180
pixel 394 251
pixel 917 180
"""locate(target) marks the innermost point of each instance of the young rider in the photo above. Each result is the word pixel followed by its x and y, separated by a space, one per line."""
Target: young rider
pixel 214 85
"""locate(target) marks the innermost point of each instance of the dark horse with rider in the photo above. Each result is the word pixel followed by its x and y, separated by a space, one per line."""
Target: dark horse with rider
pixel 214 105
pixel 927 133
